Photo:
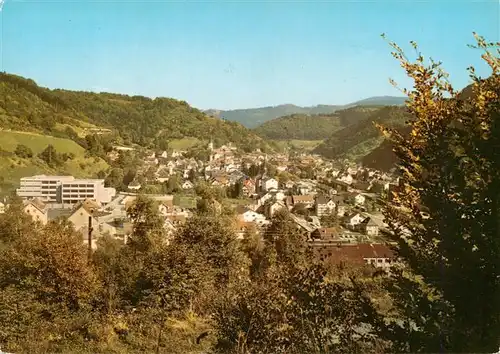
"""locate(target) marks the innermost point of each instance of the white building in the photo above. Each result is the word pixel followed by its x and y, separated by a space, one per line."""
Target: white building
pixel 268 184
pixel 64 189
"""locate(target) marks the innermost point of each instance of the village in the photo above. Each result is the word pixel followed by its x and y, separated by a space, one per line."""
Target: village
pixel 336 205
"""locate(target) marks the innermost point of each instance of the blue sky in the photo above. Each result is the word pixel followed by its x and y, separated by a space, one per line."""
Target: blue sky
pixel 238 54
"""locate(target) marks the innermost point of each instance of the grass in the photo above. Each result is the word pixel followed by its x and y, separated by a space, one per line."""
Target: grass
pixel 299 144
pixel 37 142
pixel 183 144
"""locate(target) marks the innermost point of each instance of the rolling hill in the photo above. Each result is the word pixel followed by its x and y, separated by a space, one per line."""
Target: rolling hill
pixel 313 127
pixel 299 127
pixel 25 106
pixel 358 139
pixel 254 117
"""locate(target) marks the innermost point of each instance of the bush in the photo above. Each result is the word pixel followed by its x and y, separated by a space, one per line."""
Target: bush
pixel 23 151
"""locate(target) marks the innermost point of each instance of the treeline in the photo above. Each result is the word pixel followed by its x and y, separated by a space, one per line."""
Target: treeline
pixel 136 119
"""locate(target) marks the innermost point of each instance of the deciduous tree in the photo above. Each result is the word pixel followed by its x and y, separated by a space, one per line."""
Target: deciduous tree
pixel 448 296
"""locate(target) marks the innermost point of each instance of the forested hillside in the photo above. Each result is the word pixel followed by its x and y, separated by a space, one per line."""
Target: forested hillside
pixel 362 132
pixel 148 122
pixel 300 126
pixel 314 126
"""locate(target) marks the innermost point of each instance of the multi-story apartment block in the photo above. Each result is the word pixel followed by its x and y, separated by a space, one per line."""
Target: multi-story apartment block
pixel 64 189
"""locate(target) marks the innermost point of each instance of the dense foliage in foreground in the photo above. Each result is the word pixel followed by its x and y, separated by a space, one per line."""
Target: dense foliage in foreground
pixel 254 295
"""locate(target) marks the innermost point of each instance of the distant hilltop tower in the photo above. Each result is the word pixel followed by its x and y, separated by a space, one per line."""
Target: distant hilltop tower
pixel 211 145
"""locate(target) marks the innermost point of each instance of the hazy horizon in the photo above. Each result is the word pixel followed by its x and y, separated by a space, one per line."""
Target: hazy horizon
pixel 229 55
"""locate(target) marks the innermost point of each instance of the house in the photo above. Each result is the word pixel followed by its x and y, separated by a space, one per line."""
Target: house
pixel 164 154
pixel 37 210
pixel 134 185
pixel 248 215
pixel 2 208
pixel 303 188
pixel 330 237
pixel 340 207
pixel 306 200
pixel 370 227
pixel 187 185
pixel 163 174
pixel 324 206
pixel 325 234
pixel 268 184
pixel 281 168
pixel 265 198
pixel 353 220
pixel 273 207
pixel 378 186
pixel 303 226
pixel 166 207
pixel 220 180
pixel 248 187
pixel 177 153
pixel 85 212
pixel 347 178
pixel 359 199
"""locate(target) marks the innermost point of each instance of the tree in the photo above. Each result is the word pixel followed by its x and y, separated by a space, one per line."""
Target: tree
pixel 115 179
pixel 23 151
pixel 108 263
pixel 214 239
pixel 15 224
pixel 293 312
pixel 253 170
pixel 50 156
pixel 285 243
pixel 448 295
pixel 173 184
pixel 148 232
pixel 236 190
pixel 254 247
pixel 47 276
pixel 193 175
pixel 330 220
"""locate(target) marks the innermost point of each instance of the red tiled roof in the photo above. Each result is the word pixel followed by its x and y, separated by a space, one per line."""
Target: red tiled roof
pixel 326 233
pixel 355 253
